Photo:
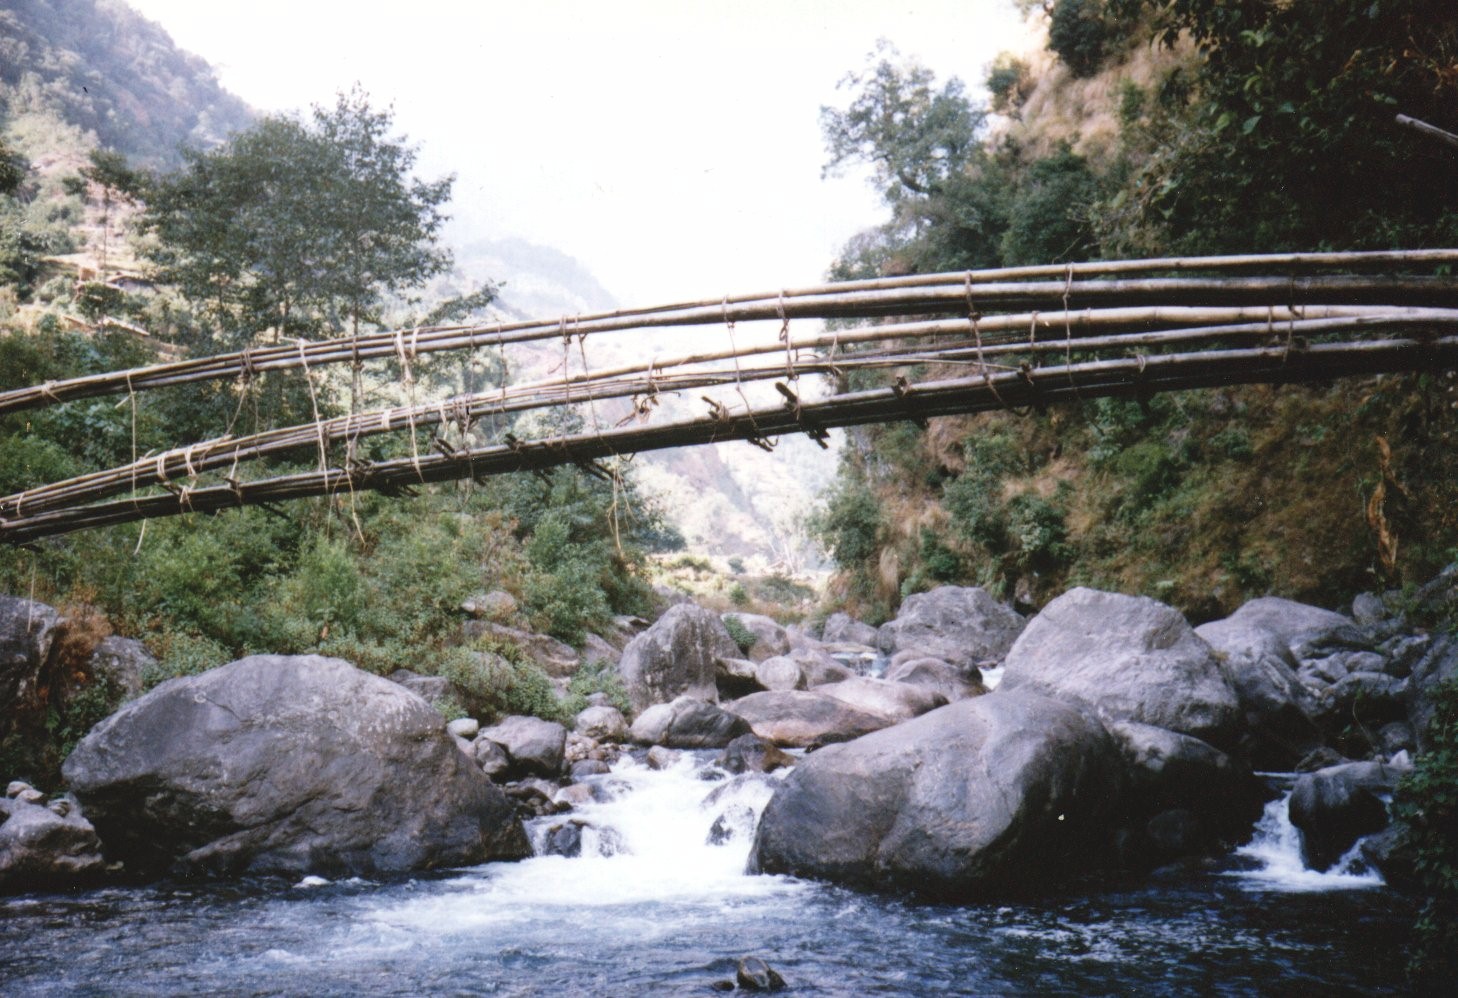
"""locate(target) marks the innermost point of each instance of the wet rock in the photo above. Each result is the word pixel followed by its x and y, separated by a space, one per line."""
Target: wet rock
pixel 589 767
pixel 753 974
pixel 737 822
pixel 752 754
pixel 1334 807
pixel 687 723
pixel 1126 658
pixel 534 798
pixel 804 719
pixel 894 701
pixel 780 673
pixel 47 848
pixel 959 625
pixel 603 724
pixel 842 627
pixel 290 765
pixel 942 677
pixel 659 757
pixel 1010 789
pixel 676 657
pixel 1174 772
pixel 534 746
pixel 770 639
pixel 1320 758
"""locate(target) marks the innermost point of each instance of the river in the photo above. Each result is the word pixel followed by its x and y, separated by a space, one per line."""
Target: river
pixel 669 913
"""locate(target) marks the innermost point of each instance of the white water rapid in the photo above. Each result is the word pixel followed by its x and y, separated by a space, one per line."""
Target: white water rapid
pixel 1276 851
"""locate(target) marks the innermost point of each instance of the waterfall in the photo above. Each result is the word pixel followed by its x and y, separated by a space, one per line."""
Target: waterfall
pixel 1275 852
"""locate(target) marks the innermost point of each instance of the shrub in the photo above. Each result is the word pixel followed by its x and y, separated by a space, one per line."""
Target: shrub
pixel 496 681
pixel 596 677
pixel 1426 807
pixel 738 595
pixel 743 636
pixel 1080 33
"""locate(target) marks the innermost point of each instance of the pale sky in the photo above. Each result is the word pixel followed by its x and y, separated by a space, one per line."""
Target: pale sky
pixel 672 147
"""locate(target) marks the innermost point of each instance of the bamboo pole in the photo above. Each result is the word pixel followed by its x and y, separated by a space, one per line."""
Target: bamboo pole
pixel 1287 363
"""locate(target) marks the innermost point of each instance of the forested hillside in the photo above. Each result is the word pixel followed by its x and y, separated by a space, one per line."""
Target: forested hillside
pixel 1161 128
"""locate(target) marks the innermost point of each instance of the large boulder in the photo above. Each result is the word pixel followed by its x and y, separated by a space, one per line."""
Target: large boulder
pixel 1126 658
pixel 780 672
pixel 687 723
pixel 1002 791
pixel 290 765
pixel 894 701
pixel 121 664
pixel 27 630
pixel 770 638
pixel 1277 708
pixel 819 666
pixel 602 723
pixel 1336 806
pixel 943 677
pixel 534 746
pixel 804 719
pixel 46 847
pixel 1309 633
pixel 963 626
pixel 842 628
pixel 676 656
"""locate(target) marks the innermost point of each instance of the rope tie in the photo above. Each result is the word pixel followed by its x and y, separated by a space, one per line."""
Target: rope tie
pixel 1068 333
pixel 785 339
pixel 972 317
pixel 49 390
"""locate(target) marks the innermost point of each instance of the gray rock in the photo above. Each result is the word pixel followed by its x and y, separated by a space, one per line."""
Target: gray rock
pixel 687 723
pixel 752 754
pixel 753 974
pixel 1334 807
pixel 497 605
pixel 842 627
pixel 1439 665
pixel 122 663
pixel 1174 772
pixel 770 638
pixel 676 657
pixel 1372 698
pixel 47 848
pixel 1368 609
pixel 432 689
pixel 589 767
pixel 892 700
pixel 597 649
pixel 556 659
pixel 291 765
pixel 464 727
pixel 1127 658
pixel 535 747
pixel 819 667
pixel 1396 736
pixel 1307 632
pixel 736 822
pixel 804 719
pixel 659 757
pixel 27 630
pixel 1277 708
pixel 735 677
pixel 780 673
pixel 963 626
pixel 1006 790
pixel 491 757
pixel 603 724
pixel 942 677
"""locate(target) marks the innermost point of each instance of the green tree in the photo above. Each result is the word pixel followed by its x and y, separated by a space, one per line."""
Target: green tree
pixel 295 228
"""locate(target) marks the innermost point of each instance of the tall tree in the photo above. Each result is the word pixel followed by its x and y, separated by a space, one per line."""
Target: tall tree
pixel 294 229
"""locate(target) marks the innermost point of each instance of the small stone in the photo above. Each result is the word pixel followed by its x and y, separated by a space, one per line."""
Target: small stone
pixel 16 788
pixel 589 767
pixel 491 757
pixel 722 986
pixel 662 758
pixel 756 975
pixel 464 727
pixel 31 795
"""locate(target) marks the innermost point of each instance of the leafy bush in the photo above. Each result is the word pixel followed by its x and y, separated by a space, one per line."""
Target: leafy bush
pixel 850 522
pixel 738 595
pixel 1079 32
pixel 1038 531
pixel 1426 807
pixel 743 636
pixel 596 677
pixel 496 681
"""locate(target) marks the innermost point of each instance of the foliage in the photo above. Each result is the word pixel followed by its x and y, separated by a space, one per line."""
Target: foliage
pixel 595 677
pixel 297 228
pixel 743 636
pixel 1080 33
pixel 1049 216
pixel 1426 808
pixel 1008 80
pixel 497 681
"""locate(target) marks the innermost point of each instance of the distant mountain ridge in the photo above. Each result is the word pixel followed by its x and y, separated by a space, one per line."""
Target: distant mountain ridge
pixel 102 67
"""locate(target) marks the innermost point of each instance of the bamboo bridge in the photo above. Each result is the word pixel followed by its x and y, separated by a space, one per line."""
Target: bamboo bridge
pixel 995 339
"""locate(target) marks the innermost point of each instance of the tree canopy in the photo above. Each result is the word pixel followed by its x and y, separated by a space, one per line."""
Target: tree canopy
pixel 297 228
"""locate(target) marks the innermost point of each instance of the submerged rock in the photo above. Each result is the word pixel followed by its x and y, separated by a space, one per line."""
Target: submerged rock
pixel 677 656
pixel 753 974
pixel 1002 791
pixel 46 848
pixel 291 765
